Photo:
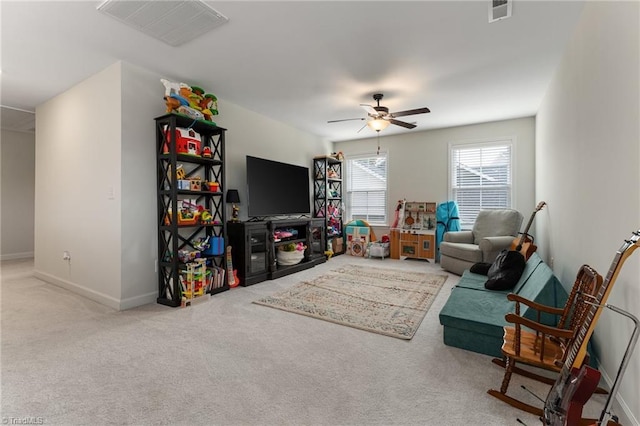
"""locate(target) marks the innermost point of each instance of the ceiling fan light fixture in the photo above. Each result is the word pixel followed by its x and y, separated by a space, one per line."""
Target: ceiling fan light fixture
pixel 378 124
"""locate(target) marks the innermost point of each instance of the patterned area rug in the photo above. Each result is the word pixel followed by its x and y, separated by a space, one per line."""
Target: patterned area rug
pixel 385 301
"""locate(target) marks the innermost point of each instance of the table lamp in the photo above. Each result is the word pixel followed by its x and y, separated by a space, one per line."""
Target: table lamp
pixel 233 197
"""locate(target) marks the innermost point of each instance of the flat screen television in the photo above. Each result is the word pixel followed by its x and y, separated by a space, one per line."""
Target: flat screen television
pixel 276 189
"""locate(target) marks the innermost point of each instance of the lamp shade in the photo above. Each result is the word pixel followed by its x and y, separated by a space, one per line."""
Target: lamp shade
pixel 378 124
pixel 233 196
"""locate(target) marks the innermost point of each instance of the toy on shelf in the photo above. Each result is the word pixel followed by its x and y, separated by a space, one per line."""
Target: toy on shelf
pixel 205 217
pixel 195 184
pixel 191 101
pixel 201 243
pixel 186 256
pixel 333 223
pixel 187 217
pixel 195 281
pixel 188 142
pixel 283 234
pixel 209 106
pixel 211 186
pixel 416 215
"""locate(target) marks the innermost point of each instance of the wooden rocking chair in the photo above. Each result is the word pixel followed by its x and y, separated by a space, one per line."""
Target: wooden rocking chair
pixel 541 345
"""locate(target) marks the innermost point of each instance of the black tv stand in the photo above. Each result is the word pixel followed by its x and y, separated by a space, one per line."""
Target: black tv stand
pixel 254 247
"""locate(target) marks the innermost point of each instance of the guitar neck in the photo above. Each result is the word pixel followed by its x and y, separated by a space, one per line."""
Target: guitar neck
pixel 526 229
pixel 578 350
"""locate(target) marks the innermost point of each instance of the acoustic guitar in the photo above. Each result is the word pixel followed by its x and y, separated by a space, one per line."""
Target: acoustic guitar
pixel 525 244
pixel 232 274
pixel 577 382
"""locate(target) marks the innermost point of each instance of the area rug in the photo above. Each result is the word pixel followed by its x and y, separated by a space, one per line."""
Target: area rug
pixel 385 301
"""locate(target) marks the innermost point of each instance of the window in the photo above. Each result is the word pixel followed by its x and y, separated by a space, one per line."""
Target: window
pixel 480 178
pixel 367 188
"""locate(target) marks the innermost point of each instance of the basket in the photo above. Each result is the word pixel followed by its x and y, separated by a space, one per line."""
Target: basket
pixel 288 258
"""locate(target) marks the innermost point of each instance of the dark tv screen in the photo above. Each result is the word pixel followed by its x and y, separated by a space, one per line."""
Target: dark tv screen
pixel 275 188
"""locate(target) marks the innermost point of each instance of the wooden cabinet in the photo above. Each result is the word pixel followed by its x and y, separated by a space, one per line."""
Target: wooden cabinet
pixel 255 247
pixel 250 250
pixel 417 244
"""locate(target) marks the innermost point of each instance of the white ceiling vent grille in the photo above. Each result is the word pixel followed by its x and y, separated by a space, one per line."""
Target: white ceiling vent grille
pixel 499 9
pixel 173 22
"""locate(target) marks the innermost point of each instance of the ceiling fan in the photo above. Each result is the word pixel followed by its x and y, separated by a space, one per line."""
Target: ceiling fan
pixel 381 117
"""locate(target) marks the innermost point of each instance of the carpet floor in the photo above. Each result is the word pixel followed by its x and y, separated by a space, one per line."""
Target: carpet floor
pixel 66 360
pixel 385 301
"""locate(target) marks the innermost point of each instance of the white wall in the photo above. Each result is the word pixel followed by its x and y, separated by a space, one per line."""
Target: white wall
pixel 418 161
pixel 96 180
pixel 78 150
pixel 587 156
pixel 141 102
pixel 250 133
pixel 17 180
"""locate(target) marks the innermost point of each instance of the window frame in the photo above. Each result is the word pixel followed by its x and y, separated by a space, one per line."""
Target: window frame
pixel 480 144
pixel 348 191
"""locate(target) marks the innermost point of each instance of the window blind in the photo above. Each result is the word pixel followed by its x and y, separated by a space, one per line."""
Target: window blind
pixel 480 178
pixel 367 188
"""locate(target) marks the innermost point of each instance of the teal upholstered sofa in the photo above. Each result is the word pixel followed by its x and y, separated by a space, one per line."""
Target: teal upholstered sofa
pixel 473 317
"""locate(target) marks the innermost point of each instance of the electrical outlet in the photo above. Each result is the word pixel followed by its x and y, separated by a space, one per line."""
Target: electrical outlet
pixel 66 255
pixel 551 262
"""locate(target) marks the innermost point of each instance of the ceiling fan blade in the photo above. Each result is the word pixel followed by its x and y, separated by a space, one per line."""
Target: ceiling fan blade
pixel 345 119
pixel 409 112
pixel 361 128
pixel 370 110
pixel 402 123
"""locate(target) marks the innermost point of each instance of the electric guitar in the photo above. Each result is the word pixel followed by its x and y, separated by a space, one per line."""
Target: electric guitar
pixel 575 385
pixel 232 274
pixel 524 244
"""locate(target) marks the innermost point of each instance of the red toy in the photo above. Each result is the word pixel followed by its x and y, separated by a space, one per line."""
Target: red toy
pixel 188 141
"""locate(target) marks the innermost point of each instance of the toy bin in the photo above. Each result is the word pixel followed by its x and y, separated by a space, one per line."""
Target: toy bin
pixel 216 246
pixel 287 258
pixel 379 249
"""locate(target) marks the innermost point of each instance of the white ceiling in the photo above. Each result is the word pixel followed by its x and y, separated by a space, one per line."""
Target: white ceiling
pixel 307 62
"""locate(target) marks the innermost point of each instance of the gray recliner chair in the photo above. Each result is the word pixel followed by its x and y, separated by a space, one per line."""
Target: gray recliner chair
pixel 493 231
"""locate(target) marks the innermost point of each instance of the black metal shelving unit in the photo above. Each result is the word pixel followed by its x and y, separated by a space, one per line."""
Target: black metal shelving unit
pixel 327 195
pixel 173 237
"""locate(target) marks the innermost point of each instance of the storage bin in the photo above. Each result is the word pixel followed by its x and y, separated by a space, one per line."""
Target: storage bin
pixel 288 258
pixel 216 247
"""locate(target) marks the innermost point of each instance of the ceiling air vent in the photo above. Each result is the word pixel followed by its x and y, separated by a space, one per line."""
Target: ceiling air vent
pixel 173 22
pixel 499 9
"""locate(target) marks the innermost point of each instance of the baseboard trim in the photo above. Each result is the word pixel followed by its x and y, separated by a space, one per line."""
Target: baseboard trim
pixel 133 302
pixel 619 406
pixel 16 256
pixel 96 296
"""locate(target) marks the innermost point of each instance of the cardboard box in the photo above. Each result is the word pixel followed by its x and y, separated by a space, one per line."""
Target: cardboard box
pixel 337 244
